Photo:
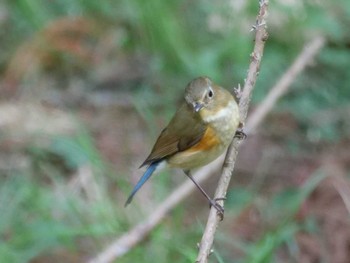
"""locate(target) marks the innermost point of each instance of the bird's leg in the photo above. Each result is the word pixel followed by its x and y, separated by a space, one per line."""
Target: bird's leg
pixel 213 202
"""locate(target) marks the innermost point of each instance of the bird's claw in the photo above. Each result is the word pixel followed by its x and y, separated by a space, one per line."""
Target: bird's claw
pixel 220 210
pixel 240 134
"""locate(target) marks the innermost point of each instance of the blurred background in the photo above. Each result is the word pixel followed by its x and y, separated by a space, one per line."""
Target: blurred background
pixel 86 87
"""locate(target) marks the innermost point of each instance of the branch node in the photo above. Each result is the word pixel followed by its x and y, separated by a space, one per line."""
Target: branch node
pixel 257 25
pixel 237 91
pixel 255 57
pixel 265 36
pixel 262 2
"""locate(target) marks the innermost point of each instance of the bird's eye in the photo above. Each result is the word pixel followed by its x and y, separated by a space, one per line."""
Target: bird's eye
pixel 210 93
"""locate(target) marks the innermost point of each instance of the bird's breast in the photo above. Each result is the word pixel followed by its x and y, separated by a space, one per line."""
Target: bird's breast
pixel 224 121
pixel 209 140
pixel 220 130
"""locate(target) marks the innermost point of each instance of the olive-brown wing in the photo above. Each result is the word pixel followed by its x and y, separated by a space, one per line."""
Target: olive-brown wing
pixel 184 130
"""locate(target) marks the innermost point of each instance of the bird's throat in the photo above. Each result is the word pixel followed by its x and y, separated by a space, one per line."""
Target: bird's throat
pixel 226 113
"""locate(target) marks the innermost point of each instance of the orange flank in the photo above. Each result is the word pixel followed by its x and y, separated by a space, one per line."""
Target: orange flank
pixel 208 141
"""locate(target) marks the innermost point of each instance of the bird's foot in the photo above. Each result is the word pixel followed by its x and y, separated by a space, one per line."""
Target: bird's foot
pixel 240 134
pixel 219 208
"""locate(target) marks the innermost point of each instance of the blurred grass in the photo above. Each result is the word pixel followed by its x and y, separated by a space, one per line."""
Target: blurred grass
pixel 43 213
pixel 284 206
pixel 68 203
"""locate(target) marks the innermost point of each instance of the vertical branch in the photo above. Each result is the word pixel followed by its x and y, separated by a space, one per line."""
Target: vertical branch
pixel 230 159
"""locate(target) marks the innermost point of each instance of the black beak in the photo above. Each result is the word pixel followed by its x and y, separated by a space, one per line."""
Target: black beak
pixel 197 106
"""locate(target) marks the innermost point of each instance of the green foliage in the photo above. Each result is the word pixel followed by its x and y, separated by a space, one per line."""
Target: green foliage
pixel 238 198
pixel 41 215
pixel 27 225
pixel 77 151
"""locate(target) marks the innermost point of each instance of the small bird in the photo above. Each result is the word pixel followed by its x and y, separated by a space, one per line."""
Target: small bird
pixel 199 132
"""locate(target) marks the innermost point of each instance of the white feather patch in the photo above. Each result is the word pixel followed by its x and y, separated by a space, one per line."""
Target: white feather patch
pixel 224 113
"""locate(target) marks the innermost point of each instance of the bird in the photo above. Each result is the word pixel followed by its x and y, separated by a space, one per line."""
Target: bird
pixel 199 132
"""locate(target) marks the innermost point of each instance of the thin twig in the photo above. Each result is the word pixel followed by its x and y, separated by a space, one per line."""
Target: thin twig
pixel 261 35
pixel 130 239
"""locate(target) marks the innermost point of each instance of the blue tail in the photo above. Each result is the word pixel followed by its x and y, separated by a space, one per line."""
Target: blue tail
pixel 150 170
